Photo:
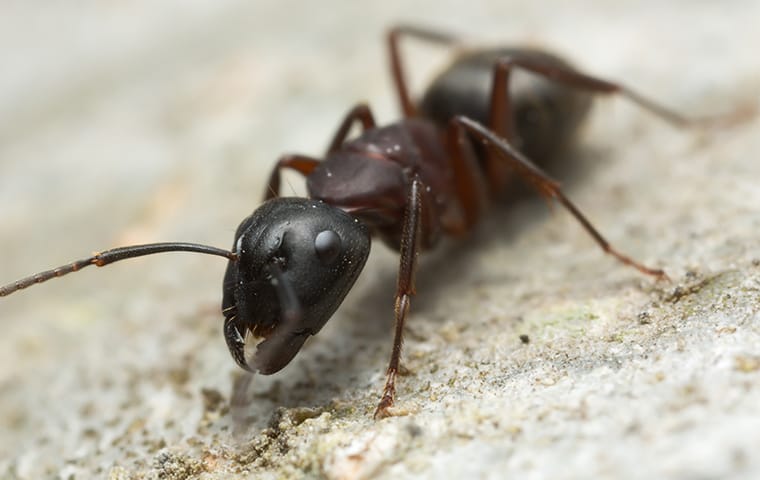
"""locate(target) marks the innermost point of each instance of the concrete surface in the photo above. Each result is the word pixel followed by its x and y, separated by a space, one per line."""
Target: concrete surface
pixel 137 122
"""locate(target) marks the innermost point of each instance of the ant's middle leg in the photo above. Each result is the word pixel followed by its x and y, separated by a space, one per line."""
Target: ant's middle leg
pixel 547 187
pixel 470 184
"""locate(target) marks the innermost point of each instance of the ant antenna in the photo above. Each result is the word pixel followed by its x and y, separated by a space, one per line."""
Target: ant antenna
pixel 102 259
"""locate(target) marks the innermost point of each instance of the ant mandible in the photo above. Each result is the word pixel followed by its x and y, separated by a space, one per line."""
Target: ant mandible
pixel 492 114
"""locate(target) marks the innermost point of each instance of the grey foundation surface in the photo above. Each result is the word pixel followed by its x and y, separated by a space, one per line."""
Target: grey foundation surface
pixel 528 353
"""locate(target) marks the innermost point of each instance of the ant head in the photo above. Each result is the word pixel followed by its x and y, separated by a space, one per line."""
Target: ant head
pixel 297 259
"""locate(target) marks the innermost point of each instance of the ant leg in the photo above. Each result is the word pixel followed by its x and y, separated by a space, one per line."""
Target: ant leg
pixel 501 122
pixel 300 163
pixel 399 79
pixel 571 78
pixel 410 246
pixel 304 164
pixel 471 186
pixel 361 113
pixel 500 119
pixel 547 187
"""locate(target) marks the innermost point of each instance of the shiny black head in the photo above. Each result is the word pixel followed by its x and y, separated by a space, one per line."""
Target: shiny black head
pixel 296 260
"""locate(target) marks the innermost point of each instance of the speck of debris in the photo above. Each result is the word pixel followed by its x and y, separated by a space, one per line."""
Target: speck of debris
pixel 213 400
pixel 414 429
pixel 292 416
pixel 726 329
pixel 179 376
pixel 747 363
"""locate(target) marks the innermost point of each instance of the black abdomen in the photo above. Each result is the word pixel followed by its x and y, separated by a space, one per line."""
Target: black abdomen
pixel 546 114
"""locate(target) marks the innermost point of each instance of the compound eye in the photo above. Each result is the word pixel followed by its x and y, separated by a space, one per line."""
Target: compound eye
pixel 327 245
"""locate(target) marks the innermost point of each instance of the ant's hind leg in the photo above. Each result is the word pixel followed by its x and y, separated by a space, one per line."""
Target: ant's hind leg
pixel 501 118
pixel 502 124
pixel 547 187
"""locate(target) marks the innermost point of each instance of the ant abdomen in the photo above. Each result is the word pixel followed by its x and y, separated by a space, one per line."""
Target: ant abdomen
pixel 545 113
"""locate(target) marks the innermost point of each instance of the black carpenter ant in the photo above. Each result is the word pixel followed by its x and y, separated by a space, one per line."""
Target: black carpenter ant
pixel 489 116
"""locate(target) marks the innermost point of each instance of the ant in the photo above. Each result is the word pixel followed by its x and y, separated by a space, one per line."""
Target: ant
pixel 492 116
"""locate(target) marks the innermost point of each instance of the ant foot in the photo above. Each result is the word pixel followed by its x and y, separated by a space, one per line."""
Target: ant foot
pixel 384 408
pixel 391 411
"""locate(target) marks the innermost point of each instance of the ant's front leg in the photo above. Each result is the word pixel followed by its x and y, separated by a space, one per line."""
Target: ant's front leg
pixel 300 163
pixel 410 247
pixel 361 113
pixel 547 187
